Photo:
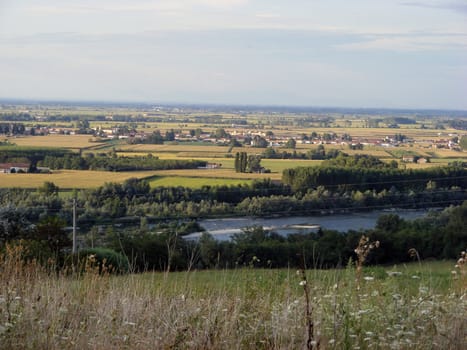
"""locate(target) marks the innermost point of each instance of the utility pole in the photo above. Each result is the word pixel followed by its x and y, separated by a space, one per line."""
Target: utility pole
pixel 74 226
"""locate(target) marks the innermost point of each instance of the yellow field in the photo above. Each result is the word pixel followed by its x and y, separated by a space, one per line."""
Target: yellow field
pixel 172 148
pixel 448 153
pixel 59 141
pixel 69 178
pixel 91 179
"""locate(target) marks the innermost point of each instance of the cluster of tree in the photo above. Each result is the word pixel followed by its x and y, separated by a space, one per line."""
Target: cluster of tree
pixel 219 119
pixel 245 163
pixel 12 129
pixel 360 178
pixel 400 120
pixel 356 146
pixel 400 137
pixel 459 124
pixel 358 161
pixel 83 127
pixel 463 142
pixel 16 117
pixel 326 136
pixel 45 239
pixel 155 138
pixel 124 118
pixel 319 153
pixel 91 162
pixel 31 155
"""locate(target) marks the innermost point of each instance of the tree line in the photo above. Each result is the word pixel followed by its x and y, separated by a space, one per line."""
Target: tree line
pixel 114 163
pixel 366 178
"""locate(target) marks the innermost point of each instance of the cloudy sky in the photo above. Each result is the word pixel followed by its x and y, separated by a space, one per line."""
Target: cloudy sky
pixel 359 53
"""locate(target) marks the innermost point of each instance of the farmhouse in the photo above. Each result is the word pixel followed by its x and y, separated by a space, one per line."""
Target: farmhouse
pixel 408 159
pixel 8 168
pixel 211 166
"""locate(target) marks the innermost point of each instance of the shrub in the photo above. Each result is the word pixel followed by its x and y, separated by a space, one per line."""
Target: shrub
pixel 102 259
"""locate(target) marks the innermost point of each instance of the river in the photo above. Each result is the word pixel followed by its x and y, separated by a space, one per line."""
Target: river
pixel 223 229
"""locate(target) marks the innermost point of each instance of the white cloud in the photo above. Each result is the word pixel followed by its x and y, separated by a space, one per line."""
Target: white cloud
pixel 133 6
pixel 409 43
pixel 458 6
pixel 267 15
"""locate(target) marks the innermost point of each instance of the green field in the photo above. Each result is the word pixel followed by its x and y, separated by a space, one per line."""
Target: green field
pixel 193 182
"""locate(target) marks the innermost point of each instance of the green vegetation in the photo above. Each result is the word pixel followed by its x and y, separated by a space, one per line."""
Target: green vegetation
pixel 193 182
pixel 463 142
pixel 245 163
pixel 372 178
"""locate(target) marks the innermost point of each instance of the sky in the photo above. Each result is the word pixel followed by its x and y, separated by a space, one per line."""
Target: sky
pixel 323 53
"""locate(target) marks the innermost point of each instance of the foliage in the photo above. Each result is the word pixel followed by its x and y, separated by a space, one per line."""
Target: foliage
pixel 463 142
pixel 372 178
pixel 104 259
pixel 314 154
pixel 13 224
pixel 291 143
pixel 48 189
pixel 247 163
pixel 50 231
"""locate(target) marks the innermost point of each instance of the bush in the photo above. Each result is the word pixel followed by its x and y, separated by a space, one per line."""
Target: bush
pixel 102 259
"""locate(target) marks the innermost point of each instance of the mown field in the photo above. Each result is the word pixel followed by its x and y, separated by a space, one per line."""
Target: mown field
pixel 59 141
pixel 414 306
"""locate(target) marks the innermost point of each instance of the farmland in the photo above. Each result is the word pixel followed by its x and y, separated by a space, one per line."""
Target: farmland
pixel 281 127
pixel 355 289
pixel 59 141
pixel 212 154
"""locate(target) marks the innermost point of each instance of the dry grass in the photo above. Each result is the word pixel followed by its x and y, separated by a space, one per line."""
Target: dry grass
pixel 414 308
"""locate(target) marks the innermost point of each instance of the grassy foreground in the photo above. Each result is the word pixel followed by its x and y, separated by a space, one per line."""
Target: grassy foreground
pixel 402 307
